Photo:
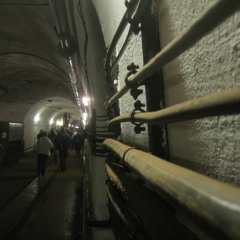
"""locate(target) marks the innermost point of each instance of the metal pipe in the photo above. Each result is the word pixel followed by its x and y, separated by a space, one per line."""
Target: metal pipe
pixel 67 47
pixel 60 13
pixel 217 12
pixel 215 202
pixel 133 29
pixel 120 54
pixel 123 24
pixel 147 204
pixel 225 102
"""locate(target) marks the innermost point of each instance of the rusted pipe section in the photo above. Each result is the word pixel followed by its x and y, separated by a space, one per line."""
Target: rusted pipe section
pixel 215 202
pixel 223 103
pixel 217 12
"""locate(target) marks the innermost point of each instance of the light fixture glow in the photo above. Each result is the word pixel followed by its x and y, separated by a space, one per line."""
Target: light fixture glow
pixel 85 101
pixel 59 122
pixel 51 121
pixel 36 118
pixel 84 118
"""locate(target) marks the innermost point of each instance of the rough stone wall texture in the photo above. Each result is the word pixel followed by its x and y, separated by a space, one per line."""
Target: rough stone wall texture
pixel 210 145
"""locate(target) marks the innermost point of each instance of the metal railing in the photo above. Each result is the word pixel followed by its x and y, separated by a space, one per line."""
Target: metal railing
pixel 212 201
pixel 132 16
pixel 123 24
pixel 220 9
pixel 225 102
pixel 215 202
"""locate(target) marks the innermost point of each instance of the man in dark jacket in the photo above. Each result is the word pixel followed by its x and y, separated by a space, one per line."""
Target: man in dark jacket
pixel 52 136
pixel 63 141
pixel 77 143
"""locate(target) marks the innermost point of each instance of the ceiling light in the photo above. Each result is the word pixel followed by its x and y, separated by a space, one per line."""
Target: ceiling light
pixel 36 118
pixel 85 101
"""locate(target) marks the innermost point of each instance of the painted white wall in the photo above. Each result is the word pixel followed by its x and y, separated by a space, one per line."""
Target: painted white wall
pixel 110 14
pixel 96 52
pixel 210 145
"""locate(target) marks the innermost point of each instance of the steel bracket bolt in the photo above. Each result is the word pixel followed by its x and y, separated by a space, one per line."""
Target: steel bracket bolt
pixel 138 129
pixel 135 92
pixel 138 105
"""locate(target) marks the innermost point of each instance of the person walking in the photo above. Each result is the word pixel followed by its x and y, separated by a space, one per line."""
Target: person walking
pixel 39 134
pixel 52 136
pixel 63 141
pixel 44 146
pixel 77 143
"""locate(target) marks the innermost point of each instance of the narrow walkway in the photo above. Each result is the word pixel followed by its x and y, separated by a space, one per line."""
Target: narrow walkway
pixel 56 215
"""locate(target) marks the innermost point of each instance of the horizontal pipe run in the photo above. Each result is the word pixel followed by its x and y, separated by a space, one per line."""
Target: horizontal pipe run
pixel 215 202
pixel 225 102
pixel 114 178
pixel 147 204
pixel 217 12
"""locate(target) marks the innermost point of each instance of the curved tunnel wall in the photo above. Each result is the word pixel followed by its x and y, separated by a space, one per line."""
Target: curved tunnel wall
pixel 46 109
pixel 31 69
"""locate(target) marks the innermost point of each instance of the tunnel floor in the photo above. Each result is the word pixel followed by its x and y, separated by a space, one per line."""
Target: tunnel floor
pixel 46 208
pixel 49 208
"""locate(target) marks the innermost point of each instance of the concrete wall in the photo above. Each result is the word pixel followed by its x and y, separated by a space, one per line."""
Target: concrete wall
pixel 210 145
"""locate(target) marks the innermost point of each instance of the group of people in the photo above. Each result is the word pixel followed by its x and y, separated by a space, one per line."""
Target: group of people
pixel 56 144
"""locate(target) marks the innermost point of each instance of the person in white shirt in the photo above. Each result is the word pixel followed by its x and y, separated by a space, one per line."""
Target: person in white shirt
pixel 44 146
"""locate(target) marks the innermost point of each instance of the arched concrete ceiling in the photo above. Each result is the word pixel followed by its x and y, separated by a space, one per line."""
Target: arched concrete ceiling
pixel 53 108
pixel 30 67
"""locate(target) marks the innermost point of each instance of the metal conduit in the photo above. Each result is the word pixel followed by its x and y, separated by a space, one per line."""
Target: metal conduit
pixel 123 24
pixel 225 102
pixel 215 202
pixel 133 29
pixel 125 44
pixel 217 12
pixel 67 46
